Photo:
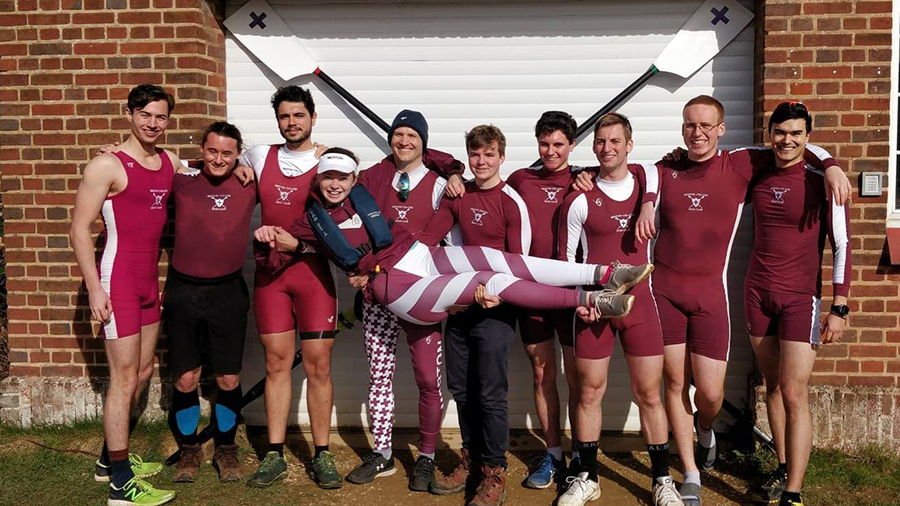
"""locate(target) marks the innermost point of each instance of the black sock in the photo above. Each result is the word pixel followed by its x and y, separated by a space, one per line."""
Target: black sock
pixel 587 450
pixel 277 447
pixel 319 450
pixel 184 416
pixel 789 496
pixel 226 410
pixel 659 460
pixel 782 468
pixel 121 467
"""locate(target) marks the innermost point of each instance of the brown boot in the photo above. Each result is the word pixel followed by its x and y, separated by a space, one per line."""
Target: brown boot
pixel 225 460
pixel 189 464
pixel 454 482
pixel 492 490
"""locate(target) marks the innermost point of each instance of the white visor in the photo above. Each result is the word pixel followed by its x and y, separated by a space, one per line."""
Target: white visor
pixel 336 162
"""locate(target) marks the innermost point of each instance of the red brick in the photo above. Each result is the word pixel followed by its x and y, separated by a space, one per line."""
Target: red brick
pixel 873 7
pixel 828 8
pixel 880 23
pixel 871 381
pixel 93 18
pixel 854 23
pixel 143 18
pixel 141 48
pixel 57 19
pixel 830 40
pixel 873 39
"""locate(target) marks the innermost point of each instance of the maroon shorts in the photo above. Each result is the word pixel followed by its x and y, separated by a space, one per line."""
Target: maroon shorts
pixel 538 326
pixel 131 279
pixel 790 316
pixel 639 332
pixel 302 296
pixel 693 310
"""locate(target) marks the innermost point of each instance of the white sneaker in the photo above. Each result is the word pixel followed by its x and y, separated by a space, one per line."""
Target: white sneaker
pixel 664 492
pixel 581 491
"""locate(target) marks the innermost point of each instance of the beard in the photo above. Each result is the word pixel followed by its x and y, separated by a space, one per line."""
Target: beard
pixel 303 136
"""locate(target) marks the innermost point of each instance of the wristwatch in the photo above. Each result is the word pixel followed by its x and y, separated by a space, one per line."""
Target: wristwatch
pixel 840 311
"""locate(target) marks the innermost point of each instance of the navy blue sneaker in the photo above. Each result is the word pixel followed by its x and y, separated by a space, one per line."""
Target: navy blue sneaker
pixel 547 470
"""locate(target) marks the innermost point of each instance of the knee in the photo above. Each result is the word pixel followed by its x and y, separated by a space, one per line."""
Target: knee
pixel 646 396
pixel 125 381
pixel 794 395
pixel 708 395
pixel 772 386
pixel 277 363
pixel 674 383
pixel 544 374
pixel 591 395
pixel 318 370
pixel 228 381
pixel 188 381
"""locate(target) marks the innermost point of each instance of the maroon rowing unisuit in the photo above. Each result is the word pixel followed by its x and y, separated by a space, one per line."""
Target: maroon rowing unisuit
pixel 212 224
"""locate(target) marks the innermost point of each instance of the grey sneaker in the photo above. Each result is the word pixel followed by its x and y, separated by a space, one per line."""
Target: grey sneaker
pixel 611 304
pixel 625 276
pixel 664 492
pixel 690 494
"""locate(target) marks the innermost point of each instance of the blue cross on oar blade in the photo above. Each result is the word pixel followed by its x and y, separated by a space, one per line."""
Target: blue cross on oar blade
pixel 719 15
pixel 258 20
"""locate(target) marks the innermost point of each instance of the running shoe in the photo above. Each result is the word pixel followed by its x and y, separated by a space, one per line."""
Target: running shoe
pixel 625 276
pixel 789 502
pixel 139 492
pixel 612 305
pixel 141 469
pixel 271 469
pixel 774 487
pixel 374 465
pixel 546 471
pixel 690 494
pixel 325 471
pixel 423 474
pixel 664 492
pixel 580 491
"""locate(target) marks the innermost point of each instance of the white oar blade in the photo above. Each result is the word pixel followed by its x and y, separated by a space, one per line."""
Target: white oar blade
pixel 262 31
pixel 711 28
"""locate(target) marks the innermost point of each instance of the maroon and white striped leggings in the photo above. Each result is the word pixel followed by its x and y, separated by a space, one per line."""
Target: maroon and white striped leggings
pixel 429 279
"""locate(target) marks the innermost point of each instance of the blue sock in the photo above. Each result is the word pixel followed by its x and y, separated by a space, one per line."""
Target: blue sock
pixel 226 409
pixel 185 416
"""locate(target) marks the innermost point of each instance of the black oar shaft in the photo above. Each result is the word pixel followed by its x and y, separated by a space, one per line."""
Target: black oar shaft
pixel 361 107
pixel 618 99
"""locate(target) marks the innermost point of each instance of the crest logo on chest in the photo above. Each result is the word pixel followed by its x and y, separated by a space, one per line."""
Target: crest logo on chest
pixel 402 212
pixel 624 222
pixel 157 198
pixel 552 194
pixel 778 194
pixel 219 202
pixel 283 193
pixel 695 199
pixel 477 215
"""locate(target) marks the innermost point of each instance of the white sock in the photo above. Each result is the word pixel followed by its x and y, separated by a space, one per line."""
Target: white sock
pixel 692 478
pixel 556 452
pixel 429 455
pixel 707 438
pixel 387 454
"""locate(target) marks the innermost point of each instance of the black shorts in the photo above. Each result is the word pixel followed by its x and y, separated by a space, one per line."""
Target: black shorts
pixel 205 322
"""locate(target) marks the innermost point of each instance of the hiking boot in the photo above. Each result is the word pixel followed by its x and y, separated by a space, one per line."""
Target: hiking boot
pixel 188 464
pixel 456 481
pixel 611 304
pixel 271 469
pixel 580 491
pixel 774 487
pixel 374 465
pixel 547 470
pixel 492 489
pixel 690 494
pixel 138 491
pixel 423 474
pixel 703 456
pixel 625 276
pixel 141 469
pixel 664 492
pixel 325 471
pixel 226 462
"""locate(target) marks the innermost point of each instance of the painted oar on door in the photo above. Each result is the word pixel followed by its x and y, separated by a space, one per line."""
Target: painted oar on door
pixel 261 30
pixel 346 320
pixel 712 27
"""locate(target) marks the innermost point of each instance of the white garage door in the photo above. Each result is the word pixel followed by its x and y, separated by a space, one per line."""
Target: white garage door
pixel 470 62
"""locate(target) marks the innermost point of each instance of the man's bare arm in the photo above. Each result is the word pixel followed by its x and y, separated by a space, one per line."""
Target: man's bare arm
pixel 98 180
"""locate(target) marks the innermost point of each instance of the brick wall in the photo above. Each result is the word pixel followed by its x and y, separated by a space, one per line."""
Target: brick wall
pixel 835 56
pixel 66 67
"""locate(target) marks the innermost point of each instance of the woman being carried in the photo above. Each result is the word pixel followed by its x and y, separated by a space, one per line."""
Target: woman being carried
pixel 420 283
